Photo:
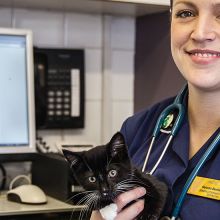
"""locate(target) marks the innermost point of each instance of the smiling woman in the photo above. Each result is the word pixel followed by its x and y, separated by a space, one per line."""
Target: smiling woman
pixel 195 47
pixel 195 42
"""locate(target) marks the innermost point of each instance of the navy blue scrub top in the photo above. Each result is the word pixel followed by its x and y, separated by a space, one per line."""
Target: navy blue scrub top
pixel 175 167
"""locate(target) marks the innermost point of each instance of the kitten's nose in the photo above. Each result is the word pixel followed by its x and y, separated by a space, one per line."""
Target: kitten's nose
pixel 104 192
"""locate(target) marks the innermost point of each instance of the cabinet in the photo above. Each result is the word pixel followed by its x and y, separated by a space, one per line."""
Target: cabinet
pixel 120 7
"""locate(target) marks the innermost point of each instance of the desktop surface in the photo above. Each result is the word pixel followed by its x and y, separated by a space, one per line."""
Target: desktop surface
pixel 8 208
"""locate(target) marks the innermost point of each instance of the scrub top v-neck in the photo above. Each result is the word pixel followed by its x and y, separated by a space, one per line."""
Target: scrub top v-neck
pixel 175 167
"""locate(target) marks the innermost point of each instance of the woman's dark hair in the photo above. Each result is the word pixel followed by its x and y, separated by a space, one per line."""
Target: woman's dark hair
pixel 171 3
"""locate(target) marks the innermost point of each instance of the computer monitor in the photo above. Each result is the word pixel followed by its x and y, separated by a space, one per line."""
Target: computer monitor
pixel 17 118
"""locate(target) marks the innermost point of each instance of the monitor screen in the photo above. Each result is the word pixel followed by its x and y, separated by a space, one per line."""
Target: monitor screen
pixel 17 121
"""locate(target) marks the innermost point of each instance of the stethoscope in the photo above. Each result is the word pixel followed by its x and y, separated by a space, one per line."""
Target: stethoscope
pixel 165 120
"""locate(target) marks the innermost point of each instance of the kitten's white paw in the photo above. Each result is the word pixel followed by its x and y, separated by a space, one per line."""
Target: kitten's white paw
pixel 109 212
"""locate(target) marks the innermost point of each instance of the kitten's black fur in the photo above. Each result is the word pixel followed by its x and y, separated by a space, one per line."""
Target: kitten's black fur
pixel 106 171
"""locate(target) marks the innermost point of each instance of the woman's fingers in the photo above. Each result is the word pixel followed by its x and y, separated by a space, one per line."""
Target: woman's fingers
pixel 126 197
pixel 96 216
pixel 132 211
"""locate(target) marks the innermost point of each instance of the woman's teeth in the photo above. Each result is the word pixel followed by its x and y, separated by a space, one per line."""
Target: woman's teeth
pixel 206 55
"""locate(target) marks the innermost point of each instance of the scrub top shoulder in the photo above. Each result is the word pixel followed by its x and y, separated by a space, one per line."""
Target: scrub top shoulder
pixel 175 167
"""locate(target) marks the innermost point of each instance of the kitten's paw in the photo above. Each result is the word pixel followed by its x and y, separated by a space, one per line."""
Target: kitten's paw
pixel 109 212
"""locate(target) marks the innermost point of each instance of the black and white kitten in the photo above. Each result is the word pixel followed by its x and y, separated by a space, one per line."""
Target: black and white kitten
pixel 106 171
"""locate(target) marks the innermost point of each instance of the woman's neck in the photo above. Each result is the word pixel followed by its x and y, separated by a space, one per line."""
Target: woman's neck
pixel 204 117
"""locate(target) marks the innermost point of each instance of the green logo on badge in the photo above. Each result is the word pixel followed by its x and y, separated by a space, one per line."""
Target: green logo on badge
pixel 167 121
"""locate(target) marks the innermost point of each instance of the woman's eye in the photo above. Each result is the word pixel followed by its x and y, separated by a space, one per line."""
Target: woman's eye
pixel 92 179
pixel 112 173
pixel 184 14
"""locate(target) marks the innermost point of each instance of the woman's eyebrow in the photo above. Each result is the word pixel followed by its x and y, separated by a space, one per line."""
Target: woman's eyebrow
pixel 191 4
pixel 187 3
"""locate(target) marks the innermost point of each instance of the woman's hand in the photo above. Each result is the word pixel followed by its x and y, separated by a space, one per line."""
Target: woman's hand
pixel 121 201
pixel 96 216
pixel 133 210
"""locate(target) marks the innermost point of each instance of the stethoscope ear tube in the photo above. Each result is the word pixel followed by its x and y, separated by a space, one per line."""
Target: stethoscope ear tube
pixel 182 94
pixel 179 118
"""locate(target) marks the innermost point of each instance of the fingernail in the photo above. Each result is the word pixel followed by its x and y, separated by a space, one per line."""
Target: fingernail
pixel 142 191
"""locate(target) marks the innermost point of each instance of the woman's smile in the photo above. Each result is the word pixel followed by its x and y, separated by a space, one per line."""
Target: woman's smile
pixel 203 56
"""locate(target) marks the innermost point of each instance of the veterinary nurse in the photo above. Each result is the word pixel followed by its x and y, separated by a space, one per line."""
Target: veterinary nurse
pixel 195 45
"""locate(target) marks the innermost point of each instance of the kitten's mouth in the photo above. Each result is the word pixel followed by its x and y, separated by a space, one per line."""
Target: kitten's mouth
pixel 105 194
pixel 106 197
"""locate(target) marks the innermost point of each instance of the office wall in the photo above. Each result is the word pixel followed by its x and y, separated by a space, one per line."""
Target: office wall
pixel 109 47
pixel 156 76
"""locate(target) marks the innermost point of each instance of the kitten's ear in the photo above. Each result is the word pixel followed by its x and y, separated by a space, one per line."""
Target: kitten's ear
pixel 72 157
pixel 117 146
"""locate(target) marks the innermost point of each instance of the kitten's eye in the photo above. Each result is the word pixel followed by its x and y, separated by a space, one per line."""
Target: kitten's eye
pixel 92 179
pixel 112 173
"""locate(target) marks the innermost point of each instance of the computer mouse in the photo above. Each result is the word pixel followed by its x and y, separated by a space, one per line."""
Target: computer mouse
pixel 27 194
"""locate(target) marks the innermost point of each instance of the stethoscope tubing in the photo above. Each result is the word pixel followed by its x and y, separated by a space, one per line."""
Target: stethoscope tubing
pixel 148 154
pixel 209 152
pixel 162 154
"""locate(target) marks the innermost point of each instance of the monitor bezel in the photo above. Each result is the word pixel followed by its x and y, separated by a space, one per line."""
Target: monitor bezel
pixel 31 147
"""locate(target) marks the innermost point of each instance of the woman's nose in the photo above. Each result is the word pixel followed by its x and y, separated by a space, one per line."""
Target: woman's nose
pixel 203 29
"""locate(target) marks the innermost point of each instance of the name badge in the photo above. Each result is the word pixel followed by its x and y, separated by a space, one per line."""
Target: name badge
pixel 205 187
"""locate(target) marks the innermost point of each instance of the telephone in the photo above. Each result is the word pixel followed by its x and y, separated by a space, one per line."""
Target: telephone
pixel 59 88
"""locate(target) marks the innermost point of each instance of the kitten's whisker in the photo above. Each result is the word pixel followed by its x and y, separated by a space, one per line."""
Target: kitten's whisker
pixel 132 183
pixel 84 198
pixel 128 180
pixel 120 191
pixel 91 195
pixel 88 200
pixel 128 186
pixel 137 181
pixel 72 214
pixel 82 212
pixel 137 178
pixel 124 182
pixel 80 193
pixel 78 203
pixel 90 203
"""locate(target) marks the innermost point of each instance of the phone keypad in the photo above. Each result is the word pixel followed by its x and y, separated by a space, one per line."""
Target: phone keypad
pixel 58 94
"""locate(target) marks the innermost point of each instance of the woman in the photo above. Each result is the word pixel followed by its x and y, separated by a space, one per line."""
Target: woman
pixel 195 45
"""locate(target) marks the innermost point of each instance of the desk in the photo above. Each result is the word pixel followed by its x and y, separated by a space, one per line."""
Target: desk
pixel 10 209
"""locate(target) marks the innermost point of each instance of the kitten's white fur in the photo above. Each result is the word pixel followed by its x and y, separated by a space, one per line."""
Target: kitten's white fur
pixel 109 212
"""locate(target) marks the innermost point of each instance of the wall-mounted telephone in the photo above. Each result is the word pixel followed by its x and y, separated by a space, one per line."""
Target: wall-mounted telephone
pixel 59 88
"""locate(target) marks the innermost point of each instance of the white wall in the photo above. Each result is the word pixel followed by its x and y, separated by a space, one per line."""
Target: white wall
pixel 109 47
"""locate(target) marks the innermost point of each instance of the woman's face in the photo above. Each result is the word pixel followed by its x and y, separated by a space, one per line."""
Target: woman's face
pixel 195 41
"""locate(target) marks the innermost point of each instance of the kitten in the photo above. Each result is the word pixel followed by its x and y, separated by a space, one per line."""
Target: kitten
pixel 106 171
